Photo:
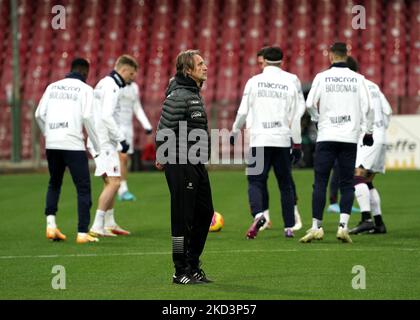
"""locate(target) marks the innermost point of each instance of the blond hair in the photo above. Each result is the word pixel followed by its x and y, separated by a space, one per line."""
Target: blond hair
pixel 126 60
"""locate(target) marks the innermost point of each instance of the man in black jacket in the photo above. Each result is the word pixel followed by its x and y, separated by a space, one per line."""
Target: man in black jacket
pixel 183 146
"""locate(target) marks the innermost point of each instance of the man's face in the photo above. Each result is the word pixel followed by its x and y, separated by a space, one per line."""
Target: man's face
pixel 199 73
pixel 128 73
pixel 261 62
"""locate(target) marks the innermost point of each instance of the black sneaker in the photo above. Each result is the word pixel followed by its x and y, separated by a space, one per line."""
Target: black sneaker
pixel 378 229
pixel 199 275
pixel 363 226
pixel 184 279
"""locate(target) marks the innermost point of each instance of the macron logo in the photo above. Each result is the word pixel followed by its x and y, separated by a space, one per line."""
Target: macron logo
pixel 196 114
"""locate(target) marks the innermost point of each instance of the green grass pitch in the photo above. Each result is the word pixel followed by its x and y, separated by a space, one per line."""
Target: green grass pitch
pixel 269 267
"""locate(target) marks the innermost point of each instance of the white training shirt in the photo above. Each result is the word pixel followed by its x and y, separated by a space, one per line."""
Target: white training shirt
pixel 301 99
pixel 382 111
pixel 65 107
pixel 129 104
pixel 272 102
pixel 106 112
pixel 340 102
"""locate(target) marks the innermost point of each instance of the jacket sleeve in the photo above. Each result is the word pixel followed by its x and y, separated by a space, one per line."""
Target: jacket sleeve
pixel 173 111
pixel 368 116
pixel 295 119
pixel 313 99
pixel 243 108
pixel 386 110
pixel 301 98
pixel 41 111
pixel 88 119
pixel 139 112
pixel 108 108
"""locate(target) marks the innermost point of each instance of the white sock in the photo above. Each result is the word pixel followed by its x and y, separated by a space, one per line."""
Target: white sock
pixel 51 221
pixel 258 215
pixel 344 220
pixel 123 187
pixel 375 202
pixel 109 219
pixel 81 234
pixel 316 224
pixel 297 214
pixel 99 222
pixel 363 196
pixel 266 214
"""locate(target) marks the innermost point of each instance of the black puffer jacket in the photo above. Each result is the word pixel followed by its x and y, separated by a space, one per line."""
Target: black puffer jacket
pixel 183 111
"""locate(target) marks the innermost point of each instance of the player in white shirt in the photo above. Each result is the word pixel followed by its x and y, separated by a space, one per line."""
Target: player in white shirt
pixel 370 161
pixel 111 140
pixel 339 101
pixel 270 106
pixel 65 108
pixel 298 225
pixel 129 104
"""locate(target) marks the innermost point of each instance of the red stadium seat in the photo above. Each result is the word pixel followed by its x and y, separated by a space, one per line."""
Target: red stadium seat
pixel 228 33
pixel 278 23
pixel 186 13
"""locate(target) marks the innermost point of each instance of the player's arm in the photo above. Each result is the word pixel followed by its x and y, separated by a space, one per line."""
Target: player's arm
pixel 301 98
pixel 243 108
pixel 140 114
pixel 88 119
pixel 173 111
pixel 295 120
pixel 313 99
pixel 107 118
pixel 386 110
pixel 368 115
pixel 41 111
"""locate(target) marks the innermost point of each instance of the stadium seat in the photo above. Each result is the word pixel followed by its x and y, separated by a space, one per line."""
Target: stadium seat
pixel 228 33
pixel 254 40
pixel 186 13
pixel 208 32
pixel 278 23
pixel 158 67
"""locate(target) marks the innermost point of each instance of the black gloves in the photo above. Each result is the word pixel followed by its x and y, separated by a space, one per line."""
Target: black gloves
pixel 296 153
pixel 149 131
pixel 125 146
pixel 368 140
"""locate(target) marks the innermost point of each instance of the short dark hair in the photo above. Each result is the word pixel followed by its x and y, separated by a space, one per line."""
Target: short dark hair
pixel 185 61
pixel 273 54
pixel 339 48
pixel 79 64
pixel 260 53
pixel 352 64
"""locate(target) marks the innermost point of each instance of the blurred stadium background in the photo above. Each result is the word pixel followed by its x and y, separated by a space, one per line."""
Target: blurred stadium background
pixel 228 33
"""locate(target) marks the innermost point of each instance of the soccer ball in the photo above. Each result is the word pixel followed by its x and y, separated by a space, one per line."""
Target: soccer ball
pixel 217 222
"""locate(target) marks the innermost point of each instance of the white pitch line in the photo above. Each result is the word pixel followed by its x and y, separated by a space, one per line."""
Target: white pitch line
pixel 94 255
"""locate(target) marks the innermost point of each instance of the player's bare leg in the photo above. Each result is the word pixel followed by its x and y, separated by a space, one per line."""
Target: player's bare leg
pixel 105 203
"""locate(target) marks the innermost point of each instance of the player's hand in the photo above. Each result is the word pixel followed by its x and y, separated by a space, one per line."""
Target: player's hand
pixel 368 140
pixel 149 131
pixel 125 146
pixel 296 153
pixel 159 166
